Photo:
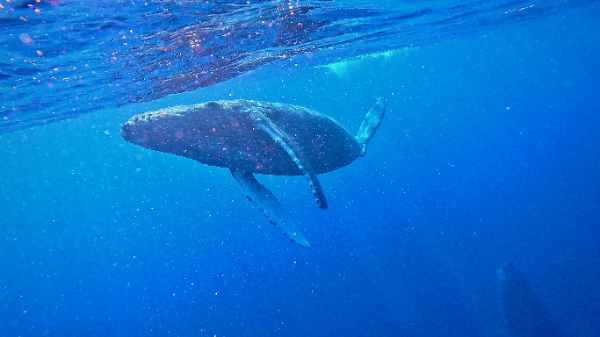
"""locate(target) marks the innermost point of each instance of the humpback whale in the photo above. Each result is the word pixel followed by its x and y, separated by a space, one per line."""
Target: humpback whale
pixel 524 314
pixel 251 137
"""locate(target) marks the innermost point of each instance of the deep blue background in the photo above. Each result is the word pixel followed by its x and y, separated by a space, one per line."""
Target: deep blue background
pixel 489 154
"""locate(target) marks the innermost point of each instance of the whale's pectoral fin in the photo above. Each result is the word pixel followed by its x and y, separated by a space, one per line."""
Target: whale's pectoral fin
pixel 370 124
pixel 261 121
pixel 269 205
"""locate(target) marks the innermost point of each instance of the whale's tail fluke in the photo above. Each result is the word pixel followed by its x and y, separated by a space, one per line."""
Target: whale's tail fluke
pixel 370 124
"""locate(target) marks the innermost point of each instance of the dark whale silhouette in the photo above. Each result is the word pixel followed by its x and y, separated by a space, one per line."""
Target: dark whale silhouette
pixel 250 137
pixel 524 314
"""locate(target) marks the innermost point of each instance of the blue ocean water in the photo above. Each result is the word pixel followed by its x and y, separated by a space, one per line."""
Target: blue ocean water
pixel 63 58
pixel 488 154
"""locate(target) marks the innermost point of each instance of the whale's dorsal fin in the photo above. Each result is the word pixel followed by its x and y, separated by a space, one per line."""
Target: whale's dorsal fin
pixel 268 204
pixel 263 122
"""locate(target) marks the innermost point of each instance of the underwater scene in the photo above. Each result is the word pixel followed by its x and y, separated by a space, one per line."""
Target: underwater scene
pixel 299 168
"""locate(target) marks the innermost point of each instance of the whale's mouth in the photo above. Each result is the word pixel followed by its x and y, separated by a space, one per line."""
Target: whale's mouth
pixel 131 128
pixel 134 133
pixel 126 131
pixel 137 129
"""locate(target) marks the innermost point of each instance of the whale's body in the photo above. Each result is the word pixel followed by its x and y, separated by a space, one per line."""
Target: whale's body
pixel 250 137
pixel 223 134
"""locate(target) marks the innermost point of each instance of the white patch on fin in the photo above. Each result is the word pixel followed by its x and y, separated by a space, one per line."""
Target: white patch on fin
pixel 269 205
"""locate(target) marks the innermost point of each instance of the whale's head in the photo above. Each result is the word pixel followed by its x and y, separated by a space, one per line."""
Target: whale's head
pixel 171 130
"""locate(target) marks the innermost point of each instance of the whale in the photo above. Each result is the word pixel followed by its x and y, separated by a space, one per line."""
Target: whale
pixel 253 137
pixel 523 312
